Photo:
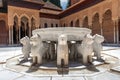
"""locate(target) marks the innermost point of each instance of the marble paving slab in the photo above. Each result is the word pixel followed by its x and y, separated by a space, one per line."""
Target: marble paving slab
pixel 8 75
pixel 117 69
pixel 68 78
pixel 33 78
pixel 105 76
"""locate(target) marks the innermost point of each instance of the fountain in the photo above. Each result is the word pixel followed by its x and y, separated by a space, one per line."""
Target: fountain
pixel 64 46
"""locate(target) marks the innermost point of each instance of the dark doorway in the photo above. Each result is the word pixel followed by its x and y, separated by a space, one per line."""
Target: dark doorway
pixel 108 27
pixel 96 28
pixel 3 33
pixel 77 24
pixel 24 28
pixel 85 22
pixel 71 24
pixel 15 31
pixel 45 25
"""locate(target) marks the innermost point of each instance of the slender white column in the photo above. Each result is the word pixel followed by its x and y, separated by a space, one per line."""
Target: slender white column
pixel 114 31
pixel 12 34
pixel 101 25
pixel 29 29
pixel 117 31
pixel 9 35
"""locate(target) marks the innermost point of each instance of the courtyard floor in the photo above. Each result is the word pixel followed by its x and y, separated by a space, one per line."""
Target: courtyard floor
pixel 103 72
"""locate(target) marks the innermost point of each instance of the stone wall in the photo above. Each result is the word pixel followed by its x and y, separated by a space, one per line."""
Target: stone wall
pixel 101 18
pixel 21 19
pixel 47 22
pixel 4 37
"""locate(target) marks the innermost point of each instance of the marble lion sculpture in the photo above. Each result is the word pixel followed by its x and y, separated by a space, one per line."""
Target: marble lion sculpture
pixel 62 51
pixel 85 48
pixel 97 46
pixel 26 49
pixel 38 49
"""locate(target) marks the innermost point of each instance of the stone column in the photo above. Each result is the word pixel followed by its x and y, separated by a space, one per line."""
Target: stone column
pixel 10 41
pixel 90 26
pixel 37 26
pixel 81 25
pixel 30 29
pixel 117 31
pixel 10 34
pixel 114 30
pixel 101 25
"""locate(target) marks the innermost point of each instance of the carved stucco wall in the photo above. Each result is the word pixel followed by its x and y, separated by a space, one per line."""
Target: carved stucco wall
pixel 49 21
pixel 20 12
pixel 90 12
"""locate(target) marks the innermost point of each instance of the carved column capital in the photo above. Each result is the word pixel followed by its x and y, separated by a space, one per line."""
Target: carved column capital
pixel 10 26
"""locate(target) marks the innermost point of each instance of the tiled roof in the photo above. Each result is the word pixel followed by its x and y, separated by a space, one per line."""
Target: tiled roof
pixel 35 1
pixel 51 6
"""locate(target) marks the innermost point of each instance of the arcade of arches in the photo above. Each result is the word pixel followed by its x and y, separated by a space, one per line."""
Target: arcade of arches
pixel 24 26
pixel 24 29
pixel 105 27
pixel 102 17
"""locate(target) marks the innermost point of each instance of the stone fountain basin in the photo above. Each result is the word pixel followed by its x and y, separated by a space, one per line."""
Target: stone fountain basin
pixel 52 34
pixel 50 65
pixel 72 66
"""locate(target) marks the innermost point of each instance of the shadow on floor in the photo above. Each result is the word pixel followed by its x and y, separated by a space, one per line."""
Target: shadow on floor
pixel 92 68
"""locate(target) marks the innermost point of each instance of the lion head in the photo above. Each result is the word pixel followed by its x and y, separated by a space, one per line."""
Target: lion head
pixel 35 40
pixel 62 39
pixel 88 39
pixel 25 40
pixel 98 38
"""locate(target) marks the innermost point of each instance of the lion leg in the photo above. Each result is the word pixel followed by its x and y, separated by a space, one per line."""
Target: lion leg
pixel 34 61
pixel 98 55
pixel 39 59
pixel 66 61
pixel 85 59
pixel 26 56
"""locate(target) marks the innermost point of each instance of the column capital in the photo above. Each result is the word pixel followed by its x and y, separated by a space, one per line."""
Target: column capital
pixel 10 26
pixel 19 24
pixel 37 26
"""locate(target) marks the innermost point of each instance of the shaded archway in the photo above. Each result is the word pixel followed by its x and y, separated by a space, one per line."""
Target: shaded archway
pixel 85 22
pixel 96 28
pixel 56 25
pixel 27 29
pixel 3 33
pixel 45 25
pixel 77 24
pixel 64 25
pixel 108 27
pixel 15 31
pixel 24 28
pixel 71 24
pixel 52 25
